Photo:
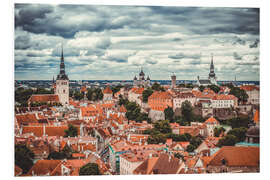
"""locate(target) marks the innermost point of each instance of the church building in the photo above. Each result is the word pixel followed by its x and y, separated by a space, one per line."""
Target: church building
pixel 62 83
pixel 212 79
pixel 141 82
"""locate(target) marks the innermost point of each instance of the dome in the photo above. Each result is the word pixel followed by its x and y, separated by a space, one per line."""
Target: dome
pixel 141 73
pixel 253 131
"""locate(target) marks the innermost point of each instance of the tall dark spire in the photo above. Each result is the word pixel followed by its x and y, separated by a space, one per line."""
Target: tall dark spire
pixel 212 69
pixel 62 75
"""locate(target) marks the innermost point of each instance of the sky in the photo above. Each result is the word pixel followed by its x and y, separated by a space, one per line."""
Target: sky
pixel 115 42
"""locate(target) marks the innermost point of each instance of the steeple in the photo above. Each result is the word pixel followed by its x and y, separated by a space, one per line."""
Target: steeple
pixel 62 75
pixel 212 64
pixel 212 69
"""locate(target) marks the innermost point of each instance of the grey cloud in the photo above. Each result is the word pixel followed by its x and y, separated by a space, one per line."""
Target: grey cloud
pixel 22 42
pixel 152 62
pixel 237 56
pixel 182 56
pixel 255 44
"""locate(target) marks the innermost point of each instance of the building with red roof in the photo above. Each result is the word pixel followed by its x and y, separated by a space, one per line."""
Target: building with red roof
pixel 253 93
pixel 159 101
pixel 235 159
pixel 107 94
pixel 41 98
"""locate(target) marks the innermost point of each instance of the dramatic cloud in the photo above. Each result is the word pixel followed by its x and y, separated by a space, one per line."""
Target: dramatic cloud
pixel 104 42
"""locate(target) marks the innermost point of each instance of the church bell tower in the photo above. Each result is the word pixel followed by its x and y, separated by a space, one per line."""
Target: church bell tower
pixel 62 83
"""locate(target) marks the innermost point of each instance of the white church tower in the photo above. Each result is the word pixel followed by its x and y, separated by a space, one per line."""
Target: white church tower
pixel 62 83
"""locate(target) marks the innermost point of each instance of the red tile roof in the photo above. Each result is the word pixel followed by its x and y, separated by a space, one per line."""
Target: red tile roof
pixel 89 111
pixel 122 109
pixel 211 120
pixel 42 167
pixel 137 90
pixel 49 130
pixel 236 156
pixel 44 98
pixel 107 90
pixel 26 119
pixel 249 87
pixel 224 97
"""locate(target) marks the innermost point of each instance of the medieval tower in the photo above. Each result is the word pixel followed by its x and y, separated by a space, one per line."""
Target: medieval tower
pixel 62 83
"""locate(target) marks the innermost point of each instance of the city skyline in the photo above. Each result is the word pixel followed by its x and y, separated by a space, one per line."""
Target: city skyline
pixel 102 43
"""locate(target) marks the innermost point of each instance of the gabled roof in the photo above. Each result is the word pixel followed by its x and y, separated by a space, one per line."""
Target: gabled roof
pixel 107 90
pixel 249 87
pixel 122 109
pixel 89 111
pixel 160 95
pixel 166 165
pixel 224 97
pixel 42 167
pixel 44 98
pixel 211 120
pixel 236 156
pixel 26 119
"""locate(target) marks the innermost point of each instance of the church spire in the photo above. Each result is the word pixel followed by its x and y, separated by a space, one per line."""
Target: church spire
pixel 62 75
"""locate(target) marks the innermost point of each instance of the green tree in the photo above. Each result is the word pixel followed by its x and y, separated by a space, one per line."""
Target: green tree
pixel 157 87
pixel 190 148
pixel 195 141
pixel 72 131
pixel 239 133
pixel 78 95
pixel 89 169
pixel 23 157
pixel 117 88
pixel 228 140
pixel 156 138
pixel 218 131
pixel 122 101
pixel 239 122
pixel 240 94
pixel 163 126
pixel 179 156
pixel 94 94
pixel 169 114
pixel 146 93
pixel 57 155
pixel 187 111
pixel 201 88
pixel 215 88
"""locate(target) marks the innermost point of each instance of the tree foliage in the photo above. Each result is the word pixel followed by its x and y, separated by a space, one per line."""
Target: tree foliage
pixel 240 94
pixel 238 122
pixel 72 131
pixel 190 148
pixel 117 88
pixel 89 169
pixel 163 126
pixel 239 133
pixel 146 93
pixel 169 114
pixel 94 94
pixel 23 157
pixel 157 87
pixel 201 88
pixel 187 111
pixel 218 131
pixel 215 88
pixel 228 140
